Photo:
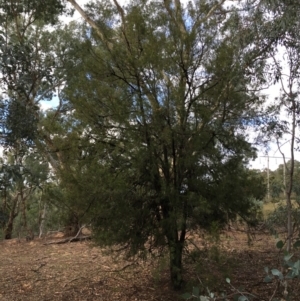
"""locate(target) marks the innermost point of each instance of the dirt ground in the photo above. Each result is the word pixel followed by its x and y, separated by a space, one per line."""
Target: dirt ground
pixel 81 271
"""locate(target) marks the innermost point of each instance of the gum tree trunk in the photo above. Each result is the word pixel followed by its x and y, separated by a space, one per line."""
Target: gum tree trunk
pixel 12 215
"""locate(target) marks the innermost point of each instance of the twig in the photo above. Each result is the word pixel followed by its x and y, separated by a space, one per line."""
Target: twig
pixel 122 269
pixel 237 291
pixel 189 240
pixel 275 290
pixel 41 265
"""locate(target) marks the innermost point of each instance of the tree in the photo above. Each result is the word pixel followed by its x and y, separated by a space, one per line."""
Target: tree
pixel 279 180
pixel 31 63
pixel 286 72
pixel 164 97
pixel 66 148
pixel 29 74
pixel 20 176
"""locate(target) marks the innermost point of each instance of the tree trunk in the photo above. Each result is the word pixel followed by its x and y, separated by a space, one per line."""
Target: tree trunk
pixel 72 226
pixel 289 189
pixel 71 230
pixel 175 243
pixel 42 220
pixel 8 229
pixel 289 223
pixel 175 253
pixel 23 208
pixel 10 223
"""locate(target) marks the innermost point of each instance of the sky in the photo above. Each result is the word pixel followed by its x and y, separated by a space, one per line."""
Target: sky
pixel 270 158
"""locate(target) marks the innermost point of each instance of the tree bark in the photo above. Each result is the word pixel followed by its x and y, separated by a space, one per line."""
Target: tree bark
pixel 23 208
pixel 175 253
pixel 72 226
pixel 10 223
pixel 42 220
pixel 176 238
pixel 8 229
pixel 289 223
pixel 291 175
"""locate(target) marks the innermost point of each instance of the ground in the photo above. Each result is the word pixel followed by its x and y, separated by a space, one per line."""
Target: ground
pixel 81 271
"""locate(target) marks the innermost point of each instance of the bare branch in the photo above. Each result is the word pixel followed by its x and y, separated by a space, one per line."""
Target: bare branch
pixel 121 11
pixel 91 23
pixel 209 14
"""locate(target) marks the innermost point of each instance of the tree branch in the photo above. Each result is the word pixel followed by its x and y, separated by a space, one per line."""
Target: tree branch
pixel 209 14
pixel 91 23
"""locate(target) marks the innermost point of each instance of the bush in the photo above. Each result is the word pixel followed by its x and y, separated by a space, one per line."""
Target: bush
pixel 277 220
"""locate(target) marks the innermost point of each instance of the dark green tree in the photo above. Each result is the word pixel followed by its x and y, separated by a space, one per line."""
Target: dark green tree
pixel 165 91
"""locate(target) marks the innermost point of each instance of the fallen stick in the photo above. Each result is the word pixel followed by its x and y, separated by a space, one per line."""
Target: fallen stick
pixel 67 240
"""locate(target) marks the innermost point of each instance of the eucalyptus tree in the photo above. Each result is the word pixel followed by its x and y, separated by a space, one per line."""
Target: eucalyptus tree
pixel 19 178
pixel 166 90
pixel 30 73
pixel 279 179
pixel 28 65
pixel 284 69
pixel 67 145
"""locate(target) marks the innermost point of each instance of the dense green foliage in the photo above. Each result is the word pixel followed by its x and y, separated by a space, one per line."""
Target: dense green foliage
pixel 279 179
pixel 165 107
pixel 150 137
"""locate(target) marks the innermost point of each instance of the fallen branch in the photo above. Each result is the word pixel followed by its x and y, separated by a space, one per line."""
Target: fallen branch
pixel 72 239
pixel 76 236
pixel 67 240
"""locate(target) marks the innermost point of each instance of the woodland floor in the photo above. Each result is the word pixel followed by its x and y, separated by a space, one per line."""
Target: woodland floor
pixel 80 271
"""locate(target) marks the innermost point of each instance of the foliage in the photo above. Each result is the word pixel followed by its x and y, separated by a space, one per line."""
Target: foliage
pixel 210 262
pixel 165 105
pixel 279 179
pixel 42 10
pixel 20 176
pixel 238 295
pixel 73 187
pixel 277 219
pixel 33 67
pixel 284 124
pixel 150 136
pixel 290 270
pixel 28 66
